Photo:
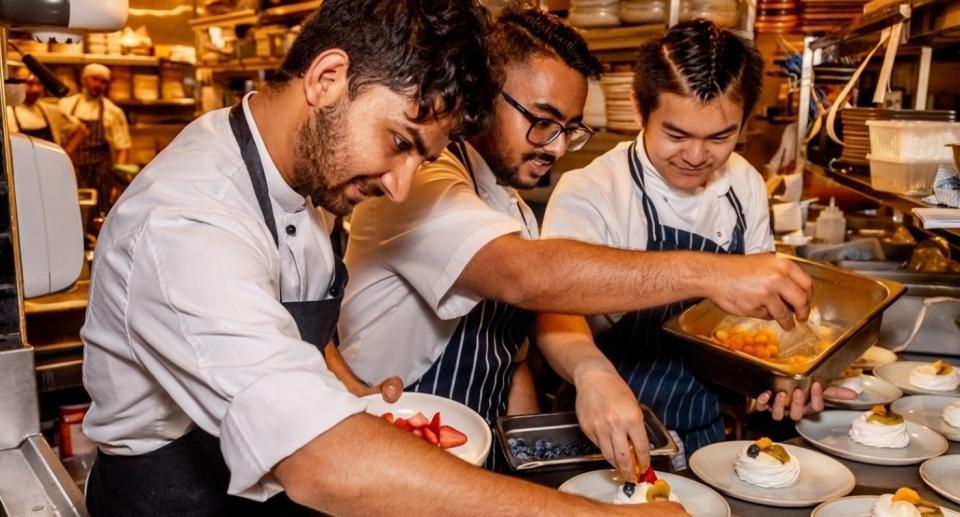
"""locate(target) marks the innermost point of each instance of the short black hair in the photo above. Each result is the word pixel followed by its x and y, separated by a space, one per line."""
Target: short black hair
pixel 436 52
pixel 697 59
pixel 522 32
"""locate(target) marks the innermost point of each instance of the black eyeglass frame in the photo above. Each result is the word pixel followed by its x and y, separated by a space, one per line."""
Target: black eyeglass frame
pixel 534 120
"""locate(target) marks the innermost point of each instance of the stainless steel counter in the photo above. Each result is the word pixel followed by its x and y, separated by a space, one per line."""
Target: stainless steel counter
pixel 34 483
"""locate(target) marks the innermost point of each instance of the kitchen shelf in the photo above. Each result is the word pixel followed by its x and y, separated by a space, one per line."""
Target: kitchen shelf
pixel 620 38
pixel 241 17
pixel 284 11
pixel 103 59
pixel 75 298
pixel 159 103
pixel 244 66
pixel 867 25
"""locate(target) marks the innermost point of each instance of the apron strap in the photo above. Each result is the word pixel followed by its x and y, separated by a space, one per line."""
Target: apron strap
pixel 654 229
pixel 248 150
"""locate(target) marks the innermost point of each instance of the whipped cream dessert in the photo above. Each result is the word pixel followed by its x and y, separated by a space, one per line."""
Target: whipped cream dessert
pixel 905 503
pixel 937 376
pixel 768 465
pixel 880 427
pixel 852 379
pixel 645 492
pixel 951 414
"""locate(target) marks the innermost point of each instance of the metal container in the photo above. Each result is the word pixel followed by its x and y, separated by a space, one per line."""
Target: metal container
pixel 852 302
pixel 564 427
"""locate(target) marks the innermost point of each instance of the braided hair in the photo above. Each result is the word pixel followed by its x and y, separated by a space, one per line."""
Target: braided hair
pixel 697 59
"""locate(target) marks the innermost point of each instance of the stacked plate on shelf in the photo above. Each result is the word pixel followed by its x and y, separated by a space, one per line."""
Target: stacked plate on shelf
pixel 833 73
pixel 722 12
pixel 856 134
pixel 594 13
pixel 776 16
pixel 121 83
pixel 643 11
pixel 616 91
pixel 827 15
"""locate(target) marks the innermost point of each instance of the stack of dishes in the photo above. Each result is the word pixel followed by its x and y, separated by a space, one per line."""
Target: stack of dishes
pixel 121 83
pixel 722 12
pixel 643 11
pixel 594 13
pixel 827 15
pixel 96 43
pixel 74 49
pixel 31 46
pixel 776 16
pixel 171 83
pixel 833 73
pixel 146 87
pixel 616 91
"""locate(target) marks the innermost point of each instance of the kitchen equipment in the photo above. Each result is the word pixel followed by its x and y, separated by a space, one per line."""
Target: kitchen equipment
pixel 563 428
pixel 913 140
pixel 851 302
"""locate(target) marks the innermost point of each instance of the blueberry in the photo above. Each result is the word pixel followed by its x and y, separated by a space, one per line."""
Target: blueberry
pixel 512 442
pixel 753 451
pixel 538 444
pixel 521 442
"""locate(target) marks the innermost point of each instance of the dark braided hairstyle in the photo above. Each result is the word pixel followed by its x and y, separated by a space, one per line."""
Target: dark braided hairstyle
pixel 700 60
pixel 435 52
pixel 522 32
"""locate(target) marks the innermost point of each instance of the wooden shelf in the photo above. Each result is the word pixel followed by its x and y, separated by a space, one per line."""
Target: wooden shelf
pixel 243 66
pixel 103 59
pixel 283 11
pixel 75 298
pixel 157 103
pixel 620 38
pixel 241 17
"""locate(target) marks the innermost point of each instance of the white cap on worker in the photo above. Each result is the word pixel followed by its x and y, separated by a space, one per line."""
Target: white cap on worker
pixel 96 70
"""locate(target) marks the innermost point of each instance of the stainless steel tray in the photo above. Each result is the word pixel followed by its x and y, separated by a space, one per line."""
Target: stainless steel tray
pixel 853 302
pixel 559 428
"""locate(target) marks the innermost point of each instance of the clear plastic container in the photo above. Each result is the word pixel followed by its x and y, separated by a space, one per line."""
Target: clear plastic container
pixel 913 140
pixel 911 178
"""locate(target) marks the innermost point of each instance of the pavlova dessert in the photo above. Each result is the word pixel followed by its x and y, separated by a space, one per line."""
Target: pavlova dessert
pixel 880 427
pixel 906 502
pixel 852 379
pixel 937 376
pixel 650 489
pixel 767 464
pixel 951 414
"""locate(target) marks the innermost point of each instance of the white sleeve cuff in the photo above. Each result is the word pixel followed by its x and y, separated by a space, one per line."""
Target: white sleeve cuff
pixel 272 419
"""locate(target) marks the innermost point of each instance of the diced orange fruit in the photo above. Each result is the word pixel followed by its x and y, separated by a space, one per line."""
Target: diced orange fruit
pixel 906 494
pixel 942 368
pixel 764 443
pixel 879 409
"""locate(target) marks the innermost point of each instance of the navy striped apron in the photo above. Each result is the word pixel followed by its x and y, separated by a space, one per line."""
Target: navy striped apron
pixel 477 365
pixel 647 357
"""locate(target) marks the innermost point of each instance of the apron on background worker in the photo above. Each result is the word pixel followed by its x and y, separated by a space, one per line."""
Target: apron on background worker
pixel 93 160
pixel 189 475
pixel 43 133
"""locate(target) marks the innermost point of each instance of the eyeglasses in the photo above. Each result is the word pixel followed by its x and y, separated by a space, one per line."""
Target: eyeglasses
pixel 543 131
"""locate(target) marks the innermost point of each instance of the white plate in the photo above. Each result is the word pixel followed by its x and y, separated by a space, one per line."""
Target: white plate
pixel 601 485
pixel 875 357
pixel 899 374
pixel 821 477
pixel 928 410
pixel 828 431
pixel 857 506
pixel 943 476
pixel 452 413
pixel 875 391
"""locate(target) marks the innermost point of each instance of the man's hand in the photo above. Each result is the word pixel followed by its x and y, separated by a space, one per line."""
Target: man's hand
pixel 798 404
pixel 650 510
pixel 390 389
pixel 761 286
pixel 611 417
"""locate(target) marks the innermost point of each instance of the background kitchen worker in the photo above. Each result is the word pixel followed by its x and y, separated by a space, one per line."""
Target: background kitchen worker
pixel 108 137
pixel 444 284
pixel 215 284
pixel 43 120
pixel 677 186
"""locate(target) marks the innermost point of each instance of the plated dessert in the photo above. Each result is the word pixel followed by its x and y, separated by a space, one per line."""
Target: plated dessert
pixel 937 376
pixel 951 414
pixel 906 502
pixel 880 427
pixel 852 379
pixel 767 464
pixel 650 489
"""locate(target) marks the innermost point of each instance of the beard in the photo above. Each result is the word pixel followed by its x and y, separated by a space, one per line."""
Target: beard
pixel 509 173
pixel 323 164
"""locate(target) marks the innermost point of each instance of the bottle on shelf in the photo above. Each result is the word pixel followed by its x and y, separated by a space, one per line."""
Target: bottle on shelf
pixel 831 226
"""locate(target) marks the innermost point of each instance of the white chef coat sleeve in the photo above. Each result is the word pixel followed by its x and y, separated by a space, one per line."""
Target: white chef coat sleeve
pixel 118 132
pixel 430 237
pixel 204 320
pixel 759 235
pixel 577 211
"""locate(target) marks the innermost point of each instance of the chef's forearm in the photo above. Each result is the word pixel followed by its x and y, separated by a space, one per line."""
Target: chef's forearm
pixel 339 367
pixel 76 138
pixel 522 399
pixel 567 344
pixel 364 466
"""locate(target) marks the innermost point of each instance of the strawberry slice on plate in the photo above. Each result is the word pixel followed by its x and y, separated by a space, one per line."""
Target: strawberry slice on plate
pixel 451 437
pixel 430 436
pixel 435 424
pixel 418 420
pixel 650 476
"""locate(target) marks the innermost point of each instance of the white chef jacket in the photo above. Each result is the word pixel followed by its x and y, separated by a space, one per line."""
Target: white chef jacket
pixel 115 127
pixel 400 307
pixel 38 115
pixel 184 324
pixel 601 204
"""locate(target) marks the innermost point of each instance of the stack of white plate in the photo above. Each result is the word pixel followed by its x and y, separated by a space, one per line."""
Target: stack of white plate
pixel 594 13
pixel 96 43
pixel 171 82
pixel 146 87
pixel 121 83
pixel 643 11
pixel 595 109
pixel 856 135
pixel 721 12
pixel 616 91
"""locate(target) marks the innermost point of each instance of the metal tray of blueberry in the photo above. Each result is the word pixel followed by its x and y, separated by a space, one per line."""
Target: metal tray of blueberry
pixel 555 440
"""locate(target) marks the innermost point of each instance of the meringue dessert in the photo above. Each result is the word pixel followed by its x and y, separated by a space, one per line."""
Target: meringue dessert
pixel 645 492
pixel 951 414
pixel 880 427
pixel 937 376
pixel 906 502
pixel 852 379
pixel 767 464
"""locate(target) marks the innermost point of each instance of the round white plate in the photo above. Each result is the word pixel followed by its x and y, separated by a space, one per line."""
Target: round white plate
pixel 828 431
pixel 697 499
pixel 943 476
pixel 875 391
pixel 928 410
pixel 857 506
pixel 821 477
pixel 875 357
pixel 899 374
pixel 452 413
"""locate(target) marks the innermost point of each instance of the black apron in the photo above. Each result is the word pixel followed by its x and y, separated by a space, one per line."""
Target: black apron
pixel 43 133
pixel 188 477
pixel 92 160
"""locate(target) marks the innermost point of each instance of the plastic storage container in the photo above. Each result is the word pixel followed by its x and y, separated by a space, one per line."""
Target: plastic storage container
pixel 911 178
pixel 912 140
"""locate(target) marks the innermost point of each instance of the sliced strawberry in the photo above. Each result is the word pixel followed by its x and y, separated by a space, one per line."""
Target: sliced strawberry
pixel 435 424
pixel 430 436
pixel 419 420
pixel 388 417
pixel 649 476
pixel 451 437
pixel 418 432
pixel 402 423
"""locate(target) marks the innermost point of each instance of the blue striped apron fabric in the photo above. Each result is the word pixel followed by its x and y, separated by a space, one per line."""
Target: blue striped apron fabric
pixel 476 365
pixel 648 358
